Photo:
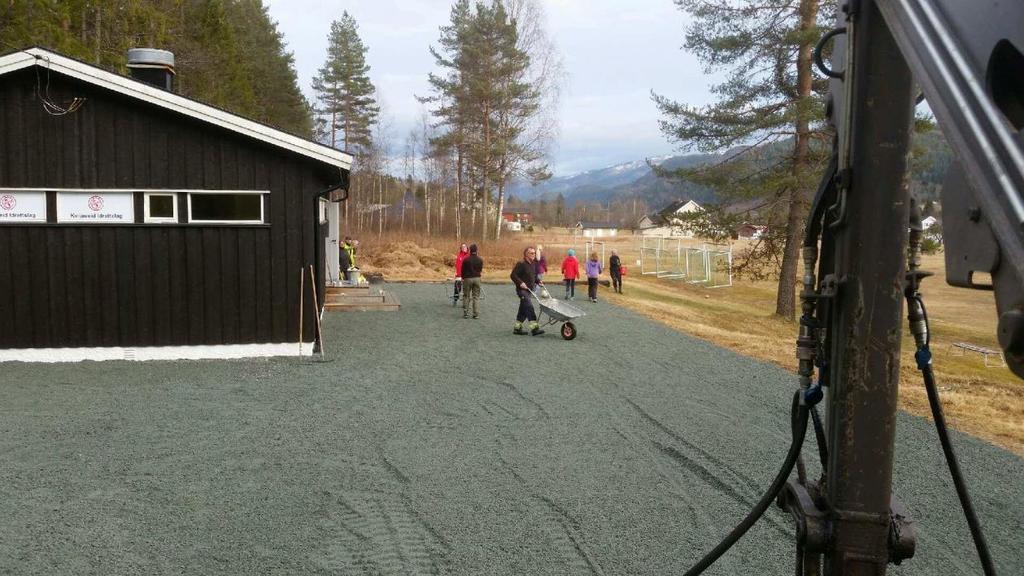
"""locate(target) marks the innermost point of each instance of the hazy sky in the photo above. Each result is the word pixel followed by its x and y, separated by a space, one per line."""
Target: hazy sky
pixel 615 53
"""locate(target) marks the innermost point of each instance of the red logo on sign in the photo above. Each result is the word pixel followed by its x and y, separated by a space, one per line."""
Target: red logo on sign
pixel 8 202
pixel 96 203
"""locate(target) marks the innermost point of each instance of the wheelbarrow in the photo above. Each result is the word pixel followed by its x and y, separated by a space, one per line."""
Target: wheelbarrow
pixel 558 311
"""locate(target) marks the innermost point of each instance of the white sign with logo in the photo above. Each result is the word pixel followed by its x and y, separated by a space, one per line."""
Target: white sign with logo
pixel 20 206
pixel 96 207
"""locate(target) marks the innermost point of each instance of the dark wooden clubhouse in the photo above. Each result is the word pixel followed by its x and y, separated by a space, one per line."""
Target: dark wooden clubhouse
pixel 137 222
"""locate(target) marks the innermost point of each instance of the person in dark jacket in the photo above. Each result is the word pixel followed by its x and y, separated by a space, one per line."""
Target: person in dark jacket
pixel 523 277
pixel 615 270
pixel 472 267
pixel 345 262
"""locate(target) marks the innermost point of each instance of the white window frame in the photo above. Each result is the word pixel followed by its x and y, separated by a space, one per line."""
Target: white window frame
pixel 159 219
pixel 263 215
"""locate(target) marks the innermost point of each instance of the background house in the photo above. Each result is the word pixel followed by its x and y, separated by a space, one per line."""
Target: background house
pixel 596 229
pixel 751 231
pixel 523 217
pixel 668 221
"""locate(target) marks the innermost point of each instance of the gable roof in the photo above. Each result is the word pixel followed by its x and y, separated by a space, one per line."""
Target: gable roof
pixel 656 219
pixel 676 206
pixel 173 102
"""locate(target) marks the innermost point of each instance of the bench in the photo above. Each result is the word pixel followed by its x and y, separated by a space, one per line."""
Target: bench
pixel 965 347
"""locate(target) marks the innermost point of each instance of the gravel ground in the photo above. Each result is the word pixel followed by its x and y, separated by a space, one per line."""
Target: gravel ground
pixel 429 444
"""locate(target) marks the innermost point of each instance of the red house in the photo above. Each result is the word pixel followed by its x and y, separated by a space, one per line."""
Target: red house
pixel 521 216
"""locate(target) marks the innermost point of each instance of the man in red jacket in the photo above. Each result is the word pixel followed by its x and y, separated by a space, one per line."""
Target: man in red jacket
pixel 459 258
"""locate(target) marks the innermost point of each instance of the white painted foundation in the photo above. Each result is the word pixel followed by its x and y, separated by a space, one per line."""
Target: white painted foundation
pixel 223 352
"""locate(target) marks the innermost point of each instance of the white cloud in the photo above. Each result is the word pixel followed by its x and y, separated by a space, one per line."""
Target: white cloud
pixel 615 53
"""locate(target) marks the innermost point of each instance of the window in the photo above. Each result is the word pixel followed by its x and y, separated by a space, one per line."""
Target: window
pixel 226 207
pixel 160 207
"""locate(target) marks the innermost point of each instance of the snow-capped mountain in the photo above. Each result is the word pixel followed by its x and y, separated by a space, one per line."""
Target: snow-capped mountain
pixel 626 180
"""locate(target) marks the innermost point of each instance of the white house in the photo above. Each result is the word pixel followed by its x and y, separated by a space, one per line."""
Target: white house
pixel 668 222
pixel 596 229
pixel 929 222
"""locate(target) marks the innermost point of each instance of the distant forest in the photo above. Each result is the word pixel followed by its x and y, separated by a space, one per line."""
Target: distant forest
pixel 228 53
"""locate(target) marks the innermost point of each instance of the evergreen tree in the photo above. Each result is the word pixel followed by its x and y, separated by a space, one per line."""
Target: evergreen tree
pixel 228 52
pixel 270 69
pixel 450 100
pixel 346 95
pixel 486 101
pixel 768 96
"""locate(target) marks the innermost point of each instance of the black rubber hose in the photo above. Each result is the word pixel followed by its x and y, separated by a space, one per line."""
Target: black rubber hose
pixel 822 199
pixel 799 432
pixel 954 471
pixel 819 437
pixel 820 47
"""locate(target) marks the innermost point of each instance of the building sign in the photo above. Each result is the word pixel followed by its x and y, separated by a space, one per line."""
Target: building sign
pixel 19 206
pixel 96 207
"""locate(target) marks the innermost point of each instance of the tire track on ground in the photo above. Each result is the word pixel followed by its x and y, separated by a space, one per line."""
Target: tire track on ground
pixel 563 531
pixel 534 406
pixel 736 474
pixel 706 473
pixel 390 466
pixel 384 534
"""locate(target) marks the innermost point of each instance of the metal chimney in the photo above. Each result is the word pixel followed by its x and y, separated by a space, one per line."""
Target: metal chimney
pixel 152 66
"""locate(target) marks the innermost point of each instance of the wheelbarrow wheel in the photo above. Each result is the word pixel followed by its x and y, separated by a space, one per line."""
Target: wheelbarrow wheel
pixel 568 331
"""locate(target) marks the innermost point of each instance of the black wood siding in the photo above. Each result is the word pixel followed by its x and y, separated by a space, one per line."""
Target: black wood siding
pixel 67 285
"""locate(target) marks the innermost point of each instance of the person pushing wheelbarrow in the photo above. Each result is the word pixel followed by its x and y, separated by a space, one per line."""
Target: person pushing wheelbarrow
pixel 524 277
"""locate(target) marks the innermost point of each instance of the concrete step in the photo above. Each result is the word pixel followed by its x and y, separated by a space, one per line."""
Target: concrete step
pixel 386 302
pixel 364 289
pixel 343 298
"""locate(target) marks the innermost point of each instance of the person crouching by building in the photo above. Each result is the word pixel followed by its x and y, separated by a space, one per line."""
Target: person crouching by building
pixel 615 271
pixel 348 260
pixel 570 272
pixel 472 267
pixel 523 277
pixel 594 270
pixel 344 263
pixel 459 259
pixel 540 266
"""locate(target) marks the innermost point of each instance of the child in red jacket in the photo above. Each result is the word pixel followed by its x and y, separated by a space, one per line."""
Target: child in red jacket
pixel 462 255
pixel 570 272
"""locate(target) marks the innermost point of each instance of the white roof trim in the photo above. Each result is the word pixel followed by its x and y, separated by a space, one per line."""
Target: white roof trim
pixel 173 102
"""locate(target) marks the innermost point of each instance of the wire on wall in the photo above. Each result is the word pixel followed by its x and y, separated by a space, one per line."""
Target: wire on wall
pixel 43 94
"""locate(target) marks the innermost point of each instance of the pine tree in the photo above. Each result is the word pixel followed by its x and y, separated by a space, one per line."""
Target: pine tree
pixel 346 94
pixel 270 69
pixel 228 52
pixel 769 96
pixel 450 100
pixel 486 100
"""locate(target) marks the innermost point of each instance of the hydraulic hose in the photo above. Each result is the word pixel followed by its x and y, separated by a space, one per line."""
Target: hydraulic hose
pixel 799 431
pixel 954 470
